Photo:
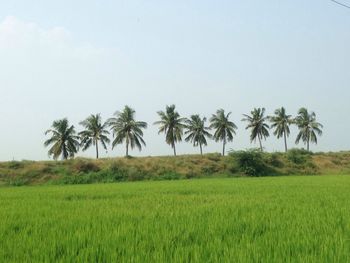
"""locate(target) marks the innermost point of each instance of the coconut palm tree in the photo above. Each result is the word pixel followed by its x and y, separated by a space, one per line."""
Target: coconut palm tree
pixel 224 128
pixel 197 131
pixel 95 132
pixel 172 125
pixel 257 124
pixel 126 129
pixel 309 128
pixel 64 141
pixel 281 122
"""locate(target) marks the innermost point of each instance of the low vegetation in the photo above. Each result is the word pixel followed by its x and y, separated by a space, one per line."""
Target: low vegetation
pixel 240 163
pixel 274 219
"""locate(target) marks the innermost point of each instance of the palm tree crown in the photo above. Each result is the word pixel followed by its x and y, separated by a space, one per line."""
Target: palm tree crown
pixel 95 131
pixel 197 132
pixel 224 128
pixel 309 128
pixel 281 122
pixel 172 125
pixel 257 124
pixel 64 141
pixel 126 129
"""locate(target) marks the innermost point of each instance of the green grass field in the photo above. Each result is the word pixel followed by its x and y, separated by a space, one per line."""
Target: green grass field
pixel 271 219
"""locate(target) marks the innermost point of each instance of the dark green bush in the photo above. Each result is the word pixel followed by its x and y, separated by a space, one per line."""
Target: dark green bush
pixel 15 165
pixel 170 175
pixel 18 181
pixel 251 162
pixel 298 156
pixel 274 159
pixel 117 172
pixel 136 174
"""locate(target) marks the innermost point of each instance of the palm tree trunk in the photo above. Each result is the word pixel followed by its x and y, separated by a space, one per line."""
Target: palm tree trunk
pixel 285 142
pixel 223 147
pixel 308 145
pixel 174 148
pixel 127 145
pixel 64 153
pixel 96 150
pixel 200 146
pixel 261 148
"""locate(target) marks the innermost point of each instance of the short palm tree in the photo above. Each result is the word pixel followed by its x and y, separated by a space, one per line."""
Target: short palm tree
pixel 126 129
pixel 257 124
pixel 197 132
pixel 309 128
pixel 224 128
pixel 63 140
pixel 95 132
pixel 172 125
pixel 281 123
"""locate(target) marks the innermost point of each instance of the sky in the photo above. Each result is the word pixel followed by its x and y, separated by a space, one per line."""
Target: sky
pixel 75 58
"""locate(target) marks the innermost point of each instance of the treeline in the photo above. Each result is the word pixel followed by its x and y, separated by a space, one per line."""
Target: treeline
pixel 65 141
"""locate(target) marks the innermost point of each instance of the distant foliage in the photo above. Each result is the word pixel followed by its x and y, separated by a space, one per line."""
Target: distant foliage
pixel 15 165
pixel 251 162
pixel 298 156
pixel 85 166
pixel 248 163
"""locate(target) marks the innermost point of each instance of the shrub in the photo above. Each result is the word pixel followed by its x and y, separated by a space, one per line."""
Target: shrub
pixel 135 174
pixel 274 159
pixel 170 175
pixel 298 156
pixel 15 165
pixel 117 172
pixel 216 157
pixel 84 166
pixel 250 162
pixel 210 168
pixel 18 181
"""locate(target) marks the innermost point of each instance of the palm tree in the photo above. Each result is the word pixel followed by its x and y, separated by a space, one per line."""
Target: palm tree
pixel 172 125
pixel 64 141
pixel 309 128
pixel 126 129
pixel 257 124
pixel 224 128
pixel 197 131
pixel 95 131
pixel 281 122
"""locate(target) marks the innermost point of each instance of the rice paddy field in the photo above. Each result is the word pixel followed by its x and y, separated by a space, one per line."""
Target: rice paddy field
pixel 270 219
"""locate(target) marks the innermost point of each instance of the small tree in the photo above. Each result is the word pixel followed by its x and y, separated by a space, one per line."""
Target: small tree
pixel 95 132
pixel 257 124
pixel 172 125
pixel 126 129
pixel 63 140
pixel 281 122
pixel 309 128
pixel 197 132
pixel 224 128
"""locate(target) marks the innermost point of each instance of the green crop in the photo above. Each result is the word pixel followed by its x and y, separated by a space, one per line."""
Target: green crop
pixel 271 219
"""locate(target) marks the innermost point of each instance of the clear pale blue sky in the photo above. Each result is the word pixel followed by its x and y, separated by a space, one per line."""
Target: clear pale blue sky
pixel 73 58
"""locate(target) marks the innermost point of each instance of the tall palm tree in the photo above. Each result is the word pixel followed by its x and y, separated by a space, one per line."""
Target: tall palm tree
pixel 126 129
pixel 64 141
pixel 172 125
pixel 197 131
pixel 281 122
pixel 309 128
pixel 95 132
pixel 257 124
pixel 224 128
